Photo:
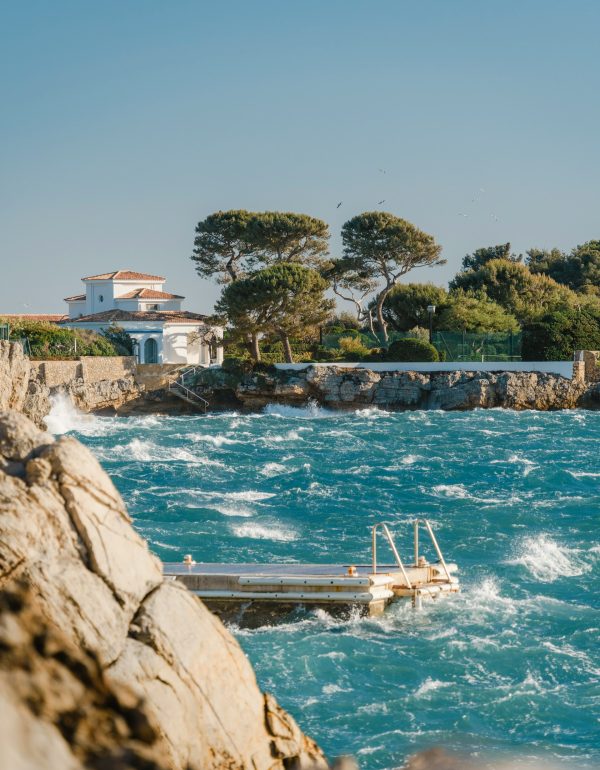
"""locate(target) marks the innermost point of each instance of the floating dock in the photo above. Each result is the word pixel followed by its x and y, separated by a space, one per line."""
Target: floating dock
pixel 239 591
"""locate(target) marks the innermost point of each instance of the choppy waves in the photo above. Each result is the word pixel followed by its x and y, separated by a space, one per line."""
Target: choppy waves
pixel 509 664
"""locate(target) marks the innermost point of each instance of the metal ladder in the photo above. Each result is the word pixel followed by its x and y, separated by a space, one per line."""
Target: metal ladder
pixel 180 389
pixel 383 525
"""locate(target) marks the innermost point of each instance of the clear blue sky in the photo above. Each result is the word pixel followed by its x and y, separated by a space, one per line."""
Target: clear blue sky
pixel 125 122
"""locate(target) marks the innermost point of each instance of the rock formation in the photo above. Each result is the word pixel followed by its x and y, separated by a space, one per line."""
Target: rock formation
pixel 24 388
pixel 104 664
pixel 344 388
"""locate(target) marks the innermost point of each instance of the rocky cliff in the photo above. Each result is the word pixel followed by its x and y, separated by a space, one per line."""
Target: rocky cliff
pixel 343 388
pixel 24 387
pixel 103 664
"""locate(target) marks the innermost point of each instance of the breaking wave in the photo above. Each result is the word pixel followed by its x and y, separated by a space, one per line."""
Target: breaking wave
pixel 546 560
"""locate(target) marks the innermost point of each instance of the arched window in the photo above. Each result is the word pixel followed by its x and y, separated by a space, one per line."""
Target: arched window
pixel 150 351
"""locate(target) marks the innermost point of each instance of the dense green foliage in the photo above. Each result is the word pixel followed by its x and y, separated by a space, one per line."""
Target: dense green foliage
pixel 282 300
pixel 511 284
pixel 50 341
pixel 579 270
pixel 411 350
pixel 119 339
pixel 474 312
pixel 379 248
pixel 231 244
pixel 557 335
pixel 554 295
pixel 481 256
pixel 406 305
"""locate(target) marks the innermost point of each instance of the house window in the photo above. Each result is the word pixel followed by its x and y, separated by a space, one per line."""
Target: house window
pixel 100 298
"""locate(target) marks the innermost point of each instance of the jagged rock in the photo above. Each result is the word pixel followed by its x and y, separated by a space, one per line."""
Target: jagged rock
pixel 64 531
pixel 344 387
pixel 14 376
pixel 58 709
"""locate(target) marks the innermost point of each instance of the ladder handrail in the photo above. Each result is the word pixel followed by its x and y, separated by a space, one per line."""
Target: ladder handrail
pixel 437 548
pixel 189 393
pixel 388 534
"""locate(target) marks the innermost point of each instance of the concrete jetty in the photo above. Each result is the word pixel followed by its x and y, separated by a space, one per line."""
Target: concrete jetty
pixel 244 591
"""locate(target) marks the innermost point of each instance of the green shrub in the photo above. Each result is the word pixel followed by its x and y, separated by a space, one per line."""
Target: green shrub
pixel 411 349
pixel 49 341
pixel 119 339
pixel 352 348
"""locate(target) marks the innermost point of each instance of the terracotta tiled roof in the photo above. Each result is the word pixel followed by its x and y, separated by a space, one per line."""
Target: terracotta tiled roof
pixel 50 317
pixel 123 275
pixel 115 316
pixel 149 294
pixel 75 298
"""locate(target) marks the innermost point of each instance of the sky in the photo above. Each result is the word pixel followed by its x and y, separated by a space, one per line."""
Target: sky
pixel 125 122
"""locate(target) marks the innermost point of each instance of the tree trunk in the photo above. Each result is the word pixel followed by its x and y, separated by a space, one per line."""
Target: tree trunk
pixel 254 348
pixel 380 318
pixel 287 349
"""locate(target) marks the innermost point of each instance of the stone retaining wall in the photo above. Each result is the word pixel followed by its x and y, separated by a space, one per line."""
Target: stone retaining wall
pixel 90 369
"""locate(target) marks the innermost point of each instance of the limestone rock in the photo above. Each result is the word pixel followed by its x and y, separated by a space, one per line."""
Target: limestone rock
pixel 65 533
pixel 14 376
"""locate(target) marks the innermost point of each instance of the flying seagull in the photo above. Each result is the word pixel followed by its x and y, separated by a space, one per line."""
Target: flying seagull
pixel 460 214
pixel 339 204
pixel 380 202
pixel 382 171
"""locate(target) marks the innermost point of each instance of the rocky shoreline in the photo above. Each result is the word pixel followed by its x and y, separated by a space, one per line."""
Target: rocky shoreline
pixel 25 388
pixel 344 388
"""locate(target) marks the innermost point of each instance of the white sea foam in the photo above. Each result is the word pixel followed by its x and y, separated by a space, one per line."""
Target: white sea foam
pixel 249 495
pixel 147 451
pixel 430 685
pixel 64 417
pixel 231 510
pixel 332 689
pixel 273 469
pixel 457 491
pixel 260 532
pixel 312 411
pixel 546 560
pixel 584 474
pixel 217 440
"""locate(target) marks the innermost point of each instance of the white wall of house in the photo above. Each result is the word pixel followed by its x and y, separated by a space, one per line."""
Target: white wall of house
pixel 147 304
pixel 99 296
pixel 76 308
pixel 173 345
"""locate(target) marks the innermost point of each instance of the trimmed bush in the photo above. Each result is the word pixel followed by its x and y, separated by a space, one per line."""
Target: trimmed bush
pixel 411 350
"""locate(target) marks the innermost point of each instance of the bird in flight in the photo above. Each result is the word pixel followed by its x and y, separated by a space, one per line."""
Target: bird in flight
pixel 460 214
pixel 339 204
pixel 494 217
pixel 382 171
pixel 380 202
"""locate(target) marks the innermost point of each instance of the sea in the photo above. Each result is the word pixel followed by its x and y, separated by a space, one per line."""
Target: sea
pixel 509 668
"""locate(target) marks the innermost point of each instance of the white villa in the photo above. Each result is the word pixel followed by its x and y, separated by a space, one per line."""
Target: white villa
pixel 162 332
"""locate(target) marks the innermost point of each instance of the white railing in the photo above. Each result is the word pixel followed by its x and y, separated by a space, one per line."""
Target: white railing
pixel 385 529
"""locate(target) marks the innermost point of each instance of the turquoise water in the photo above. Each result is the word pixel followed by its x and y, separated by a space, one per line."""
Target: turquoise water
pixel 510 665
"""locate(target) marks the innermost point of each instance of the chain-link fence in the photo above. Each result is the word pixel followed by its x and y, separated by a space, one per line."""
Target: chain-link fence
pixel 452 346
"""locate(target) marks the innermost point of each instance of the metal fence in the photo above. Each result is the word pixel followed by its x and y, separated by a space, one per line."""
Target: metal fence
pixel 453 346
